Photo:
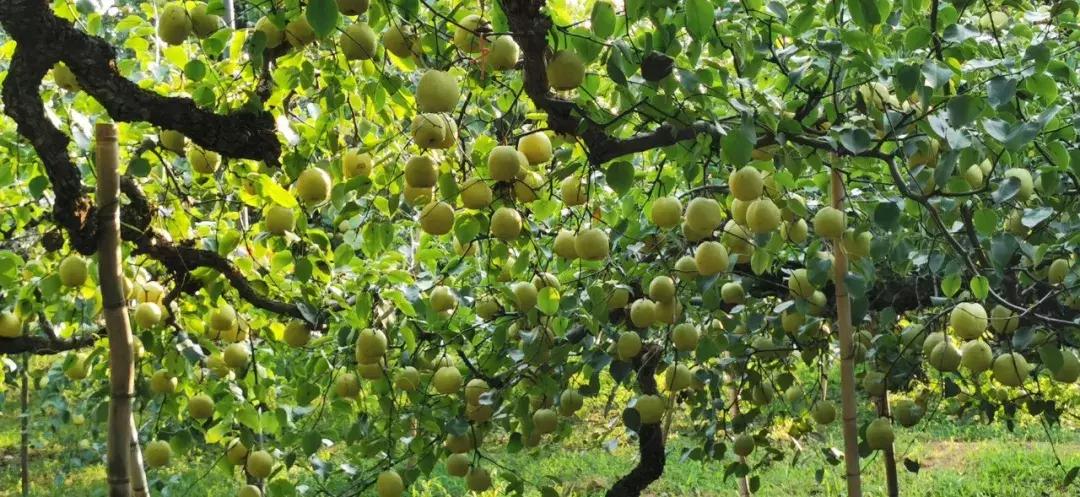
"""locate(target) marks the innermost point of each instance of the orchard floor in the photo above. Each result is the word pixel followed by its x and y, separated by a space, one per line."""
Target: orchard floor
pixel 957 461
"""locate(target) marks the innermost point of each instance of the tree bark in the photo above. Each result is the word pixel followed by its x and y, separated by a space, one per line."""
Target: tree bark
pixel 110 276
pixel 847 353
pixel 650 436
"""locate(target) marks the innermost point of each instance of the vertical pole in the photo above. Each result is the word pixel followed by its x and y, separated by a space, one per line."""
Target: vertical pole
pixel 744 482
pixel 110 276
pixel 230 14
pixel 135 462
pixel 847 353
pixel 24 447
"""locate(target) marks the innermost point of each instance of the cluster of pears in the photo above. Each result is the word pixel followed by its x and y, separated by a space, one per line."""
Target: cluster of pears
pixel 176 23
pixel 969 321
pixel 149 309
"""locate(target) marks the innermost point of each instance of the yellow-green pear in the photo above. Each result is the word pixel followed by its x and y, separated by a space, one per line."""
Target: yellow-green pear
pixel 565 70
pixel 357 41
pixel 437 91
pixel 174 24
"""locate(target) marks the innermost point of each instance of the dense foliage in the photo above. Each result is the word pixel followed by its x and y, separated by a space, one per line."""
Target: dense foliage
pixel 449 255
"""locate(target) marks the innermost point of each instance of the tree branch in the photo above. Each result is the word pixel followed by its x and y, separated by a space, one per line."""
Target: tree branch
pixel 650 436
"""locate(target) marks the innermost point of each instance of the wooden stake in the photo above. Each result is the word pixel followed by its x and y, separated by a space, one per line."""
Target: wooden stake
pixel 847 352
pixel 110 276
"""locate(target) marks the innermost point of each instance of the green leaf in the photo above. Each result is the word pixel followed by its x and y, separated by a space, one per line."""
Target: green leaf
pixel 323 16
pixel 276 193
pixel 620 176
pixel 986 221
pixel 195 70
pixel 602 20
pixel 548 301
pixel 887 215
pixel 950 284
pixel 700 17
pixel 980 286
pixel 917 37
pixel 963 109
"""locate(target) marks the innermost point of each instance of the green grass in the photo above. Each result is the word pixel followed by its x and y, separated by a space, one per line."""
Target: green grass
pixel 971 460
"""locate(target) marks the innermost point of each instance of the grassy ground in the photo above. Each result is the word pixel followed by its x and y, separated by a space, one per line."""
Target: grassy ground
pixel 955 461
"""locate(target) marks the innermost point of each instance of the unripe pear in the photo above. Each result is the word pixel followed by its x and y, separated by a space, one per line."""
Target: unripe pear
pixel 259 464
pixel 823 412
pixel 357 42
pixel 352 7
pixel 347 385
pixel 743 445
pixel 173 141
pixel 437 91
pixel 420 172
pixel 643 313
pixel 466 33
pixel 975 356
pixel 704 215
pixel 478 479
pixel 1057 272
pixel 201 406
pixel 1069 371
pixel 174 25
pixel 738 210
pixel 907 413
pixel 973 175
pixel 408 379
pixel 299 32
pixel 279 219
pixel 525 296
pixel 570 401
pixel 161 382
pixel 711 258
pixel 297 333
pixel 249 491
pixel 203 161
pixel 202 23
pixel 830 223
pixel 565 70
pixel 476 194
pixel 1010 369
pixel 969 320
pixel 795 231
pixel 763 216
pixel 147 314
pixel 592 244
pixel 677 377
pixel 1027 185
pixel 10 325
pixel 504 53
pixel 746 184
pixel 945 357
pixel 545 421
pixel 458 464
pixel 504 163
pixel 536 146
pixel 447 380
pixel 401 41
pixel 564 245
pixel 157 453
pixel 73 271
pixel 429 130
pixel 662 289
pixel 506 224
pixel 313 186
pixel 666 212
pixel 437 218
pixel 442 298
pixel 879 434
pixel 685 337
pixel 573 191
pixel 686 267
pixel 732 293
pixel 274 35
pixel 527 188
pixel 370 346
pixel 64 78
pixel 236 452
pixel 628 346
pixel 650 409
pixel 223 318
pixel 236 355
pixel 389 484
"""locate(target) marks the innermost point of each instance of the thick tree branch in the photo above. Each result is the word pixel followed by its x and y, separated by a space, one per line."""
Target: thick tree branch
pixel 650 436
pixel 34 27
pixel 50 343
pixel 530 26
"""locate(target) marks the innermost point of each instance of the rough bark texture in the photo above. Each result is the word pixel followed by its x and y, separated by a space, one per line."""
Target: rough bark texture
pixel 847 355
pixel 43 39
pixel 44 345
pixel 650 466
